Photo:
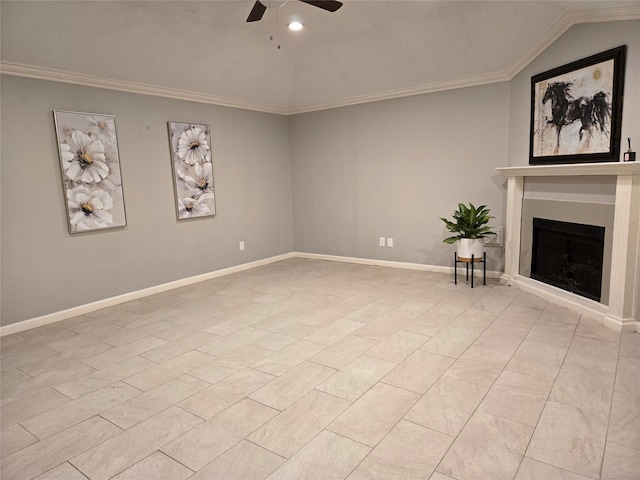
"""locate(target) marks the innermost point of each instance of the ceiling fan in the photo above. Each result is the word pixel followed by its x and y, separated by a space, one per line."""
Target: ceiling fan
pixel 259 8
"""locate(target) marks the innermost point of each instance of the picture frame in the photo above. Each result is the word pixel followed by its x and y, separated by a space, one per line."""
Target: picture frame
pixel 192 167
pixel 90 171
pixel 576 110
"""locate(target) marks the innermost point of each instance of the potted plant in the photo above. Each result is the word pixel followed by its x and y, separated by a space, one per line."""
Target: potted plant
pixel 470 227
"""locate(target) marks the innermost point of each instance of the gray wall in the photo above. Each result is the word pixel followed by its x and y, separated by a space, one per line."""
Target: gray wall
pixel 579 42
pixel 44 269
pixel 393 168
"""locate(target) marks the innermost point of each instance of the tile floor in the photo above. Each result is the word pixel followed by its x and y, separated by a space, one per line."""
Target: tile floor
pixel 309 369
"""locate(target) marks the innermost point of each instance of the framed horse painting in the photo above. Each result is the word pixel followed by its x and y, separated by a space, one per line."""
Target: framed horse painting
pixel 576 110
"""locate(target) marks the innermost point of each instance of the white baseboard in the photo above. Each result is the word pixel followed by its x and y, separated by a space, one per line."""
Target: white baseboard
pixel 127 297
pixel 386 263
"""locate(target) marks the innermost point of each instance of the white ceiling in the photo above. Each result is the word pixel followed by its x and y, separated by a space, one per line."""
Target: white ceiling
pixel 367 50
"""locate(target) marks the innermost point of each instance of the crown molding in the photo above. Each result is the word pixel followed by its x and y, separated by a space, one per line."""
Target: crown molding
pixel 555 32
pixel 40 73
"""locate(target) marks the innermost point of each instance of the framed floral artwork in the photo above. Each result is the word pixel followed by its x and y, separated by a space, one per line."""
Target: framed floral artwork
pixel 90 167
pixel 576 110
pixel 192 170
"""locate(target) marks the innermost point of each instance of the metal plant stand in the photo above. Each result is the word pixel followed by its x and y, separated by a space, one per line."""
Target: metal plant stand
pixel 473 261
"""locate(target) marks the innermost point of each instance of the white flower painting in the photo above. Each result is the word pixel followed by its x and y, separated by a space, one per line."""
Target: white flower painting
pixel 192 170
pixel 90 168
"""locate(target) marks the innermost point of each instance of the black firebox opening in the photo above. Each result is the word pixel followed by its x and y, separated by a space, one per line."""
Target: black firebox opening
pixel 568 256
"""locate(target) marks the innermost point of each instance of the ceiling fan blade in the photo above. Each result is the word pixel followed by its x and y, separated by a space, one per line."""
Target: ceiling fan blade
pixel 329 5
pixel 256 12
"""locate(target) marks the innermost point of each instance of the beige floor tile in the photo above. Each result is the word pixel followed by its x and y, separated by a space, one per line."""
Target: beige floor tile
pixel 224 345
pixel 474 319
pixel 533 470
pixel 98 379
pixel 529 300
pixel 502 338
pixel 368 313
pixel 537 360
pixel 620 463
pixel 419 371
pixel 237 321
pixel 65 471
pixel 206 442
pixel 129 447
pixel 552 333
pixel 493 303
pixel 630 345
pixel 334 331
pixel 274 341
pixel 569 438
pixel 412 309
pixel 244 461
pixel 356 378
pixel 12 376
pixel 328 456
pixel 25 355
pixel 226 392
pixel 165 371
pixel 594 353
pixel 628 375
pixel 46 454
pixel 496 444
pixel 430 323
pixel 440 476
pixel 409 451
pixel 383 327
pixel 398 346
pixel 447 405
pixel 327 316
pixel 518 316
pixel 76 411
pixel 31 406
pixel 371 417
pixel 15 438
pixel 479 365
pixel 293 385
pixel 588 327
pixel 290 356
pixel 133 334
pixel 119 354
pixel 583 387
pixel 154 401
pixel 624 423
pixel 156 466
pixel 343 352
pixel 286 433
pixel 27 388
pixel 559 314
pixel 451 341
pixel 279 321
pixel 178 347
pixel 517 397
pixel 297 330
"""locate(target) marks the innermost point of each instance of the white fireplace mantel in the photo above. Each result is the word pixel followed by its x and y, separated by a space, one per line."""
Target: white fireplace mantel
pixel 622 311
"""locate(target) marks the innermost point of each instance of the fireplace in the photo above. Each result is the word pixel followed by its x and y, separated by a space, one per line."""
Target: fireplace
pixel 568 256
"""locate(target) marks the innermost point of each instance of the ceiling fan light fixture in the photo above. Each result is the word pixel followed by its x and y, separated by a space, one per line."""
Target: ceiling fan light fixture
pixel 295 26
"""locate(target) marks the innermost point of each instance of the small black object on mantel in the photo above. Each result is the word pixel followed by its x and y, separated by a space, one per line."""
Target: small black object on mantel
pixel 629 156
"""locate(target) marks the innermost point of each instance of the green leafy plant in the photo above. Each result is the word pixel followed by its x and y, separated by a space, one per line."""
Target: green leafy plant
pixel 469 222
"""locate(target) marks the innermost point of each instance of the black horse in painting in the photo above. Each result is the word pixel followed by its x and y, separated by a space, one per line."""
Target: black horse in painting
pixel 590 111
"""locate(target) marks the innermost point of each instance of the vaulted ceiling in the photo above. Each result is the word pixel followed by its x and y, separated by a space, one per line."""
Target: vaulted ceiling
pixel 206 51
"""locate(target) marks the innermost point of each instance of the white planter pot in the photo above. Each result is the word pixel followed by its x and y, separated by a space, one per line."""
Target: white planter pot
pixel 470 246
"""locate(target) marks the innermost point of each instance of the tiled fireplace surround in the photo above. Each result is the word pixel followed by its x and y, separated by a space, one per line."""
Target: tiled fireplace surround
pixel 619 184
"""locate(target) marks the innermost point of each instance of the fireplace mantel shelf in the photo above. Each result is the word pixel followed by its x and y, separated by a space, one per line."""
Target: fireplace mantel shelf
pixel 574 169
pixel 622 311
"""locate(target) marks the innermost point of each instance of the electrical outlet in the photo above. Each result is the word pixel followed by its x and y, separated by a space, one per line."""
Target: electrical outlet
pixel 382 240
pixel 390 242
pixel 494 240
pixel 241 245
